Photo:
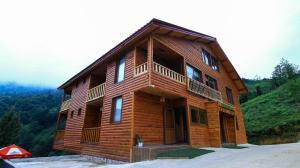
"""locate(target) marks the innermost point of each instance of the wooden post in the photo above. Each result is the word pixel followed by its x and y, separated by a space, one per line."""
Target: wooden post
pixel 150 57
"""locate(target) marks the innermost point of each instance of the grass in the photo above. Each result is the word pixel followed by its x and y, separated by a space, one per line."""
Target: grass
pixel 274 114
pixel 234 147
pixel 184 153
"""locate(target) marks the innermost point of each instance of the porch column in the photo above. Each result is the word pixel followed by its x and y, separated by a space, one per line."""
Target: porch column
pixel 213 118
pixel 150 57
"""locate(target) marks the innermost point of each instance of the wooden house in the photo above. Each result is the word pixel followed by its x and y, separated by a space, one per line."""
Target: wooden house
pixel 164 83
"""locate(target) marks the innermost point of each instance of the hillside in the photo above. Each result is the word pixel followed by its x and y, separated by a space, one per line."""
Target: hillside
pixel 274 115
pixel 37 108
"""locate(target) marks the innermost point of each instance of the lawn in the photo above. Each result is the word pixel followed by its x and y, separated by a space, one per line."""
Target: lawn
pixel 184 153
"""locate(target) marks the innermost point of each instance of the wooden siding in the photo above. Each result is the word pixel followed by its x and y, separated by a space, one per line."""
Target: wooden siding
pixel 148 118
pixel 115 139
pixel 74 125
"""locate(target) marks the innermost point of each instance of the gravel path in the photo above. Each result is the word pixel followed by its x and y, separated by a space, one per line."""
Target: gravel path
pixel 266 156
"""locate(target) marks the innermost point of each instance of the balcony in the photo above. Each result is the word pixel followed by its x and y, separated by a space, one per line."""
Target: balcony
pixel 96 92
pixel 90 135
pixel 59 136
pixel 65 105
pixel 203 90
pixel 168 73
pixel 141 69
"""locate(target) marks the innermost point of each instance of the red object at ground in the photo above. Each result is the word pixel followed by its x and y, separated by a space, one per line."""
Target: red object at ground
pixel 13 151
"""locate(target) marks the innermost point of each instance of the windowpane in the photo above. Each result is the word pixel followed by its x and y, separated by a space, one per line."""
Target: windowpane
pixel 194 115
pixel 211 82
pixel 193 73
pixel 120 70
pixel 189 71
pixel 229 95
pixel 117 109
pixel 210 60
pixel 203 117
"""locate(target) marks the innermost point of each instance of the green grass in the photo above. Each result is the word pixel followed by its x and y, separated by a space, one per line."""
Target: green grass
pixel 184 153
pixel 234 147
pixel 274 114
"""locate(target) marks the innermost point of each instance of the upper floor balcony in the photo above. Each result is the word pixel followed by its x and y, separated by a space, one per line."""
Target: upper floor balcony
pixel 65 105
pixel 96 92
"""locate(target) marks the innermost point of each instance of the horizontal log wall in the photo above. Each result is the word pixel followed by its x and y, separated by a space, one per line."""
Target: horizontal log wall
pixel 148 118
pixel 74 125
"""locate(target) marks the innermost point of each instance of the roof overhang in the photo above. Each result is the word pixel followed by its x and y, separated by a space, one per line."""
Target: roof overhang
pixel 160 27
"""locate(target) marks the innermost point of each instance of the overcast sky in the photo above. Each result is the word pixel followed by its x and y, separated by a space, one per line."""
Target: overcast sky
pixel 47 42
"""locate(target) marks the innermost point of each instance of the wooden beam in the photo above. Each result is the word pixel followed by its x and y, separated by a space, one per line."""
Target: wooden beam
pixel 150 58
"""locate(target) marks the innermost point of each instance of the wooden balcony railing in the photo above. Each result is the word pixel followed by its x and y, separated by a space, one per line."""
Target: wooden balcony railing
pixel 59 136
pixel 96 92
pixel 203 90
pixel 166 72
pixel 141 69
pixel 90 135
pixel 65 105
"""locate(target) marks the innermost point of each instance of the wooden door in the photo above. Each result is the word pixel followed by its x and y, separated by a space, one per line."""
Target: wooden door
pixel 222 129
pixel 170 137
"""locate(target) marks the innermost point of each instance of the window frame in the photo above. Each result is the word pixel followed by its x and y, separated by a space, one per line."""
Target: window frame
pixel 120 61
pixel 229 95
pixel 207 77
pixel 113 110
pixel 210 60
pixel 194 70
pixel 198 112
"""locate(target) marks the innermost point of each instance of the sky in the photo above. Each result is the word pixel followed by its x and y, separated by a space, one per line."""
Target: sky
pixel 45 43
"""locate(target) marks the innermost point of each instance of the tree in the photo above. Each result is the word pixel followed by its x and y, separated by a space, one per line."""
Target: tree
pixel 283 72
pixel 10 127
pixel 258 91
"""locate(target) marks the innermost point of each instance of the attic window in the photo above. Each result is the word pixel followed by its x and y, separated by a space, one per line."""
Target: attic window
pixel 210 60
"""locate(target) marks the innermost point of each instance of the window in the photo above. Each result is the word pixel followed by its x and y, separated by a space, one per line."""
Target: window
pixel 211 82
pixel 198 116
pixel 193 73
pixel 79 112
pixel 229 95
pixel 72 113
pixel 210 60
pixel 120 70
pixel 116 110
pixel 194 115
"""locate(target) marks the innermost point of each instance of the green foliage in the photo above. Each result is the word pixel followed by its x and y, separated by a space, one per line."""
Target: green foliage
pixel 37 109
pixel 186 153
pixel 273 114
pixel 283 72
pixel 10 127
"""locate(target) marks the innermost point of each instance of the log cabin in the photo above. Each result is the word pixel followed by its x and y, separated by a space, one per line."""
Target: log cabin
pixel 168 85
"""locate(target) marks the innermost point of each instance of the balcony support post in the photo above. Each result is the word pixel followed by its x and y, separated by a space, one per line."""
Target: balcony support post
pixel 150 57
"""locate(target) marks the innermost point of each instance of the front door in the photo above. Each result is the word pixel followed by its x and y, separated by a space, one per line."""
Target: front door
pixel 170 137
pixel 180 125
pixel 222 129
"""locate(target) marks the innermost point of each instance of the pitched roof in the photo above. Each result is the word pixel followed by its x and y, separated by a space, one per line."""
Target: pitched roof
pixel 161 27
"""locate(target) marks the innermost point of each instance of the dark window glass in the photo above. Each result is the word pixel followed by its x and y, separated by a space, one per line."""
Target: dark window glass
pixel 116 110
pixel 210 60
pixel 203 117
pixel 229 95
pixel 72 113
pixel 120 70
pixel 79 112
pixel 193 73
pixel 211 82
pixel 198 116
pixel 194 115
